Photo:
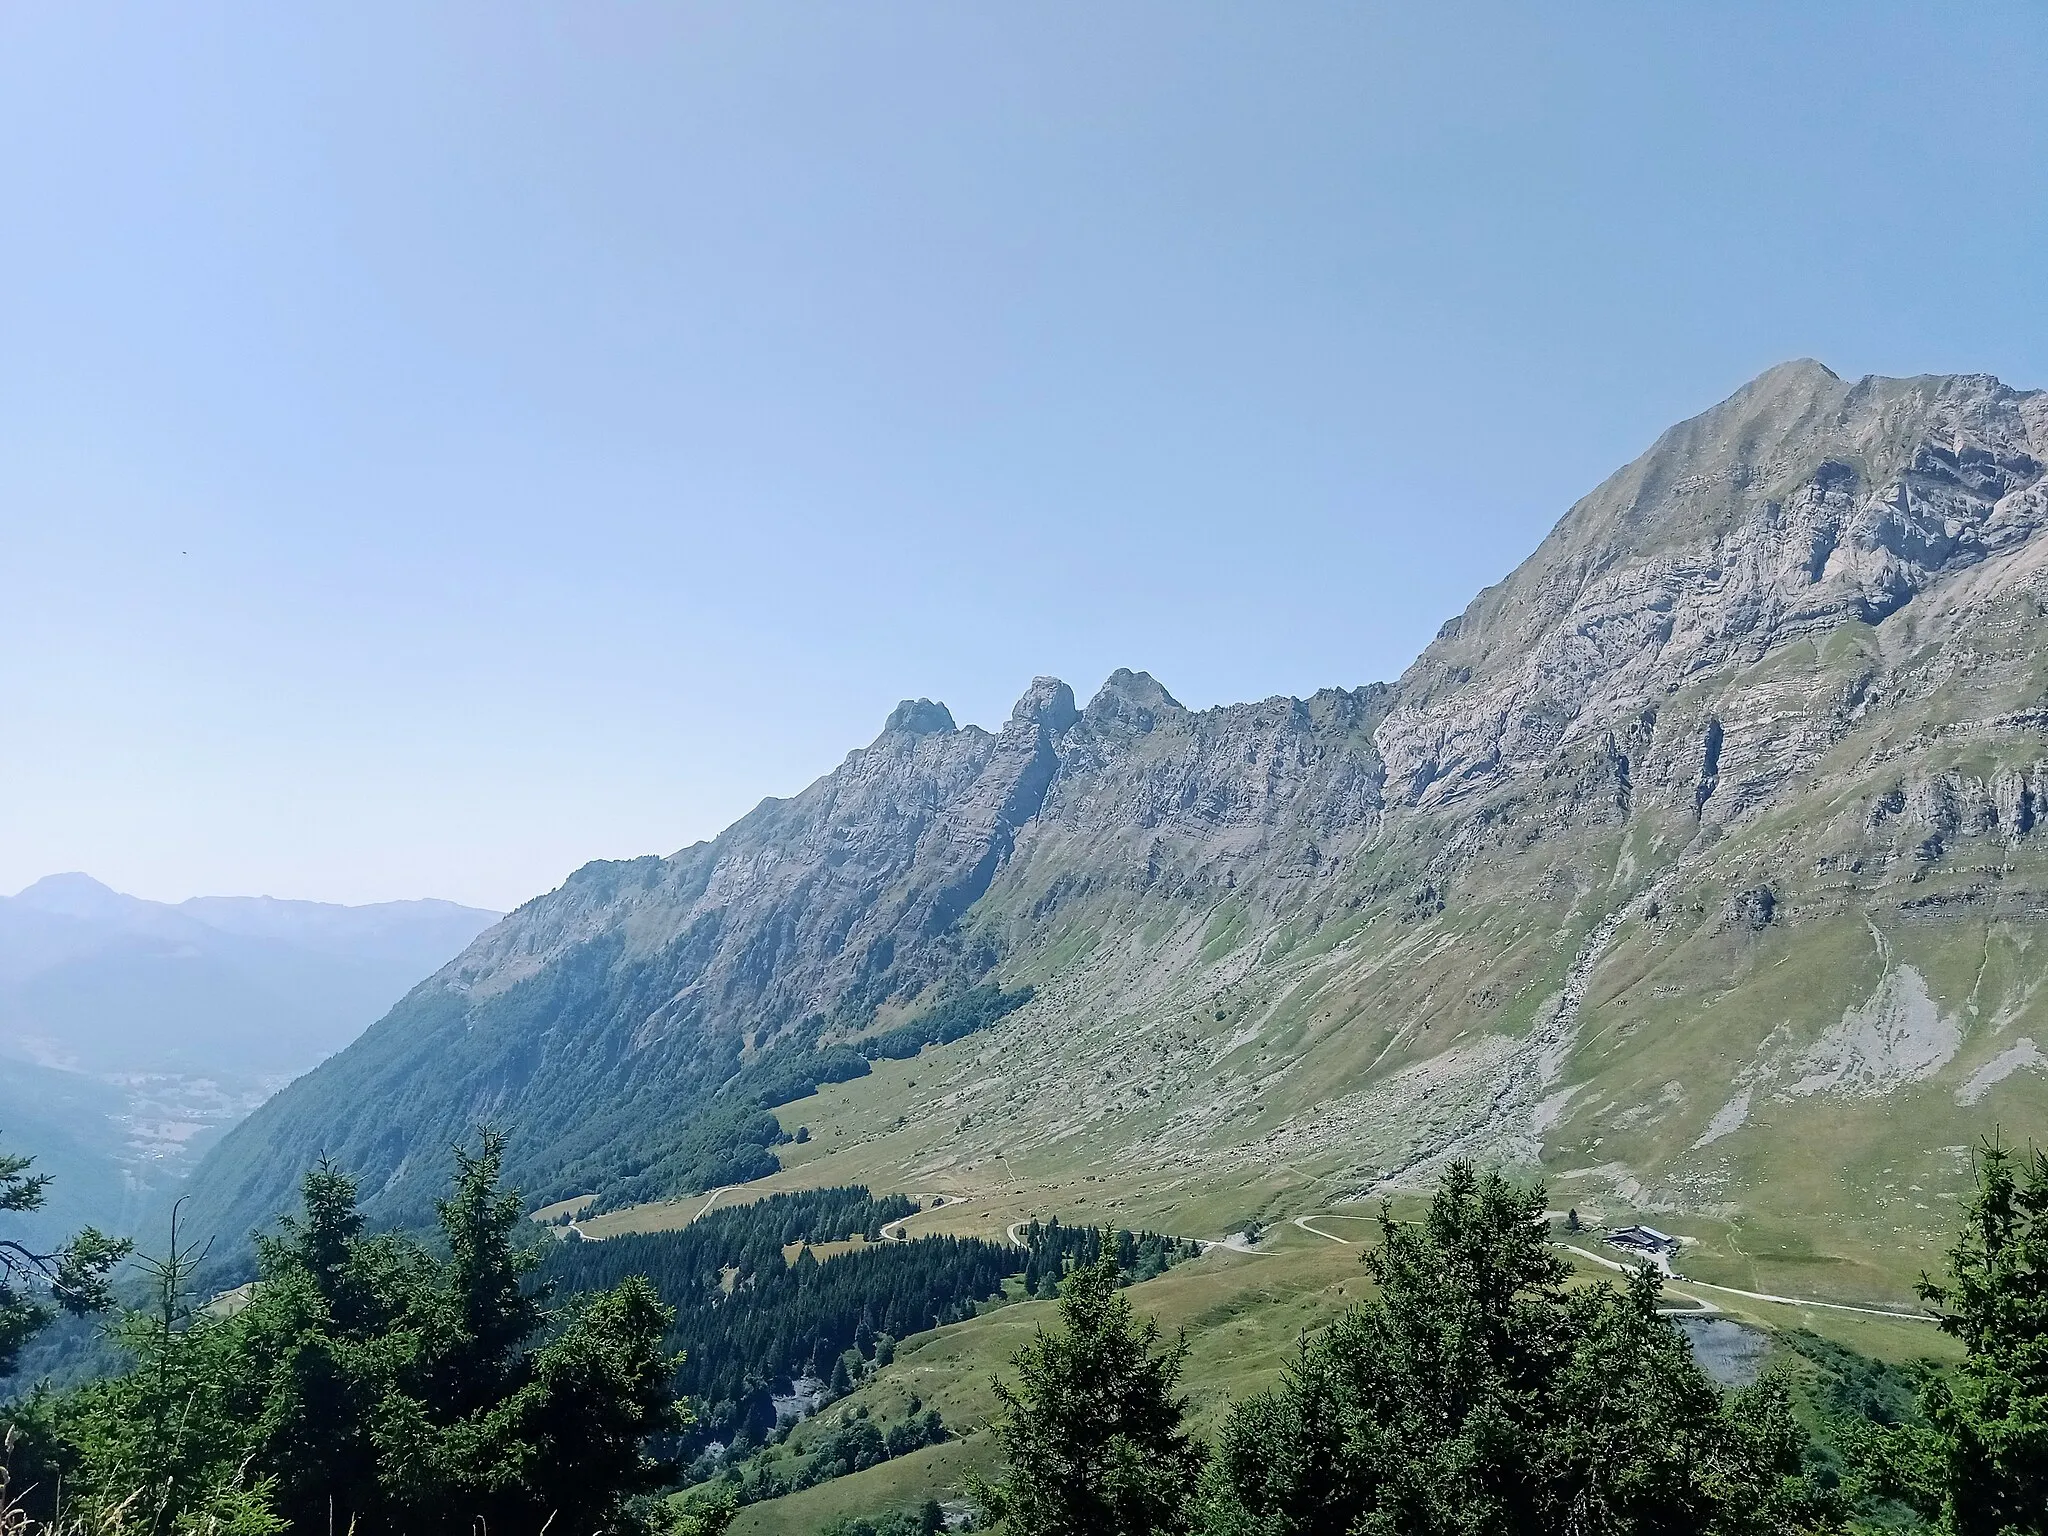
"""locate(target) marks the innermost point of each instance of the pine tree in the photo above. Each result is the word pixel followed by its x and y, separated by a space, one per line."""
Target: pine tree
pixel 161 1449
pixel 1478 1396
pixel 497 1312
pixel 1978 1464
pixel 1092 1434
pixel 370 1386
pixel 74 1276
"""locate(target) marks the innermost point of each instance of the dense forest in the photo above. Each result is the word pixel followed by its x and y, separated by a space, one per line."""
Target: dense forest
pixel 610 1125
pixel 749 1324
pixel 366 1382
pixel 1055 1249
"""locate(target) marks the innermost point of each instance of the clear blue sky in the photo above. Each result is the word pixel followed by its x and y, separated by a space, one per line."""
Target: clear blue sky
pixel 443 444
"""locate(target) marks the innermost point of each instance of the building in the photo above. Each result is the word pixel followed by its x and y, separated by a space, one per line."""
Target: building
pixel 1647 1241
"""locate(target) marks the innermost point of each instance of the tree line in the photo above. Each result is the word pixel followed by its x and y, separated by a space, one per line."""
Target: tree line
pixel 747 1324
pixel 1054 1249
pixel 726 1136
pixel 398 1383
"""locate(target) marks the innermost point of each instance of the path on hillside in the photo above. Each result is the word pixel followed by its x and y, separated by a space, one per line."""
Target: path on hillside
pixel 1701 1307
pixel 892 1231
pixel 574 1226
pixel 1786 1301
pixel 1349 1242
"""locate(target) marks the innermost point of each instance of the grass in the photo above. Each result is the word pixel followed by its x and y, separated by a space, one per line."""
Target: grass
pixel 900 1484
pixel 1242 1315
pixel 1839 1201
pixel 669 1215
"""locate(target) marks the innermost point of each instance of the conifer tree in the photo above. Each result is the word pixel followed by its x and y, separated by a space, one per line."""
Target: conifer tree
pixel 1092 1434
pixel 161 1450
pixel 372 1386
pixel 1978 1464
pixel 73 1276
pixel 1478 1395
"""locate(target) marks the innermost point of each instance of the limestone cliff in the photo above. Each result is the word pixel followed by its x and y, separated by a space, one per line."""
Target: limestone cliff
pixel 1710 833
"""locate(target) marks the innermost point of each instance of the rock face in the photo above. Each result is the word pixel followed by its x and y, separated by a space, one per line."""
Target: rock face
pixel 1800 504
pixel 1774 690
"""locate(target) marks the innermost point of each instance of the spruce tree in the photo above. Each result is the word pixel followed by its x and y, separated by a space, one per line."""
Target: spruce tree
pixel 72 1276
pixel 162 1448
pixel 372 1385
pixel 1092 1434
pixel 1978 1463
pixel 1479 1395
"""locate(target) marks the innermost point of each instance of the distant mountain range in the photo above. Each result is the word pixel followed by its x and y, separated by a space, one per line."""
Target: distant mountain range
pixel 132 1032
pixel 1698 865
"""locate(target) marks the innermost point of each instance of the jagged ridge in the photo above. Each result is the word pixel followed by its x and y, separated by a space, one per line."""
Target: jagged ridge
pixel 1790 650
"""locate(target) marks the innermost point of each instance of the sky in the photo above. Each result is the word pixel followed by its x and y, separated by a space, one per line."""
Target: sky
pixel 443 444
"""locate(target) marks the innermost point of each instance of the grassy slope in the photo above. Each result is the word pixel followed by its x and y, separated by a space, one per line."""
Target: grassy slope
pixel 1188 1068
pixel 1241 1314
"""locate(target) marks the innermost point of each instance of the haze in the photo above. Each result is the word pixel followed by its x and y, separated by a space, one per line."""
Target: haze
pixel 443 444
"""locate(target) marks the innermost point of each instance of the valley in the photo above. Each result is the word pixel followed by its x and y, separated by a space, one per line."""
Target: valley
pixel 1708 835
pixel 134 1034
pixel 1208 771
pixel 1242 1313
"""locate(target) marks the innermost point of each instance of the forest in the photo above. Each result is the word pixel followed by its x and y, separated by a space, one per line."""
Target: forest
pixel 726 1138
pixel 749 1324
pixel 1479 1393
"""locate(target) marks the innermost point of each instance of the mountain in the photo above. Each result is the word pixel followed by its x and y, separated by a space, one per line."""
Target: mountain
pixel 91 978
pixel 132 1032
pixel 1698 865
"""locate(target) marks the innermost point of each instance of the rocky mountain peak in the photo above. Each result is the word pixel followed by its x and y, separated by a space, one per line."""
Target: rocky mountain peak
pixel 1134 700
pixel 1047 703
pixel 1781 674
pixel 1799 503
pixel 919 717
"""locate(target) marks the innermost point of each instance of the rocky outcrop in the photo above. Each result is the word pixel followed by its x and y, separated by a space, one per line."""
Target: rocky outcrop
pixel 1802 503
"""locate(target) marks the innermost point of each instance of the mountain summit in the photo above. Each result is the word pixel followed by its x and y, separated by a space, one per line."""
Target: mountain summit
pixel 1702 847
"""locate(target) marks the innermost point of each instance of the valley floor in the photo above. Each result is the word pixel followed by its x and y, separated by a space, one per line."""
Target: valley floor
pixel 1242 1312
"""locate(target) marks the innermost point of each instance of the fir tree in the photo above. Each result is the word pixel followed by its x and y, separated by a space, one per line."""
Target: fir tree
pixel 1978 1463
pixel 371 1386
pixel 162 1449
pixel 73 1276
pixel 1478 1396
pixel 1092 1434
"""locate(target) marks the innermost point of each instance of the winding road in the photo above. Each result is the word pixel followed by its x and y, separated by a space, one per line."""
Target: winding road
pixel 892 1231
pixel 1700 1307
